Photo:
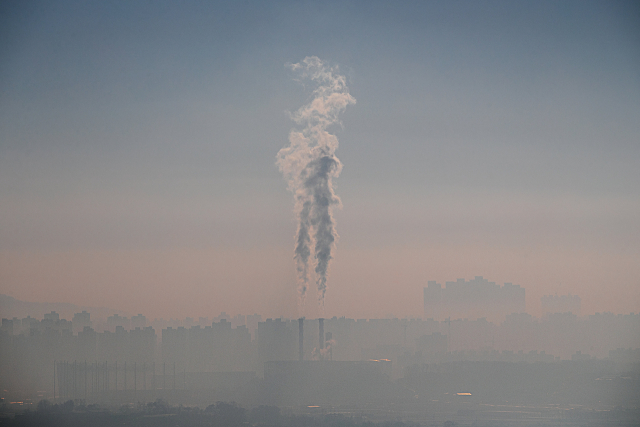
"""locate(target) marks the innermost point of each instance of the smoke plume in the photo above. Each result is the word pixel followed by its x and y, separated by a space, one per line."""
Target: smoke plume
pixel 309 164
pixel 324 353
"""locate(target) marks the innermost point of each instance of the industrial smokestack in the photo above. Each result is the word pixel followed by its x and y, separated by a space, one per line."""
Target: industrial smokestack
pixel 321 334
pixel 300 338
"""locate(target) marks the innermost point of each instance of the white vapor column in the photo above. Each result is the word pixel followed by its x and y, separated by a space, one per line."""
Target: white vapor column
pixel 309 164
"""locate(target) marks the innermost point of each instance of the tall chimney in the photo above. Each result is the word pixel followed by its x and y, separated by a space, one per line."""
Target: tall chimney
pixel 321 335
pixel 300 338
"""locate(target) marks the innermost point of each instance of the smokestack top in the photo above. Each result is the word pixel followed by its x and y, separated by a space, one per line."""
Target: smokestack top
pixel 321 333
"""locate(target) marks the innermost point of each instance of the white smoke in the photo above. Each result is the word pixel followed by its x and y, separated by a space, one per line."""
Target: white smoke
pixel 325 353
pixel 309 164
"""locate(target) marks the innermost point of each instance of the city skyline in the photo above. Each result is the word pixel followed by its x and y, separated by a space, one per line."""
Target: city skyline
pixel 338 364
pixel 346 213
pixel 518 336
pixel 429 307
pixel 477 298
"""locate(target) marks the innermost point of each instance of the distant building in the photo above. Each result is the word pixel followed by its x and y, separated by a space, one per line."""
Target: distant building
pixel 138 321
pixel 251 321
pixel 560 304
pixel 432 300
pixel 80 321
pixel 27 324
pixel 276 341
pixel 473 299
pixel 7 326
pixel 116 320
pixel 215 348
pixel 53 316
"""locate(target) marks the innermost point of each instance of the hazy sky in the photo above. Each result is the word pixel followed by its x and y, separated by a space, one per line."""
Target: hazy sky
pixel 138 143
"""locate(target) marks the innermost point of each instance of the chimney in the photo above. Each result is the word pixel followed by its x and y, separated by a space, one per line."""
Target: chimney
pixel 321 334
pixel 300 338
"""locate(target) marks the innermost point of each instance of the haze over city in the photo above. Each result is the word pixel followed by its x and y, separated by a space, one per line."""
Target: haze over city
pixel 320 213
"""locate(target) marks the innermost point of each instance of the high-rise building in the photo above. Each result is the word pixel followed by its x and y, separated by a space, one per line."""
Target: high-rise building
pixel 53 316
pixel 138 321
pixel 80 321
pixel 432 300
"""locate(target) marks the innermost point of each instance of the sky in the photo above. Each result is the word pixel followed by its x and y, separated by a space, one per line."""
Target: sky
pixel 138 145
